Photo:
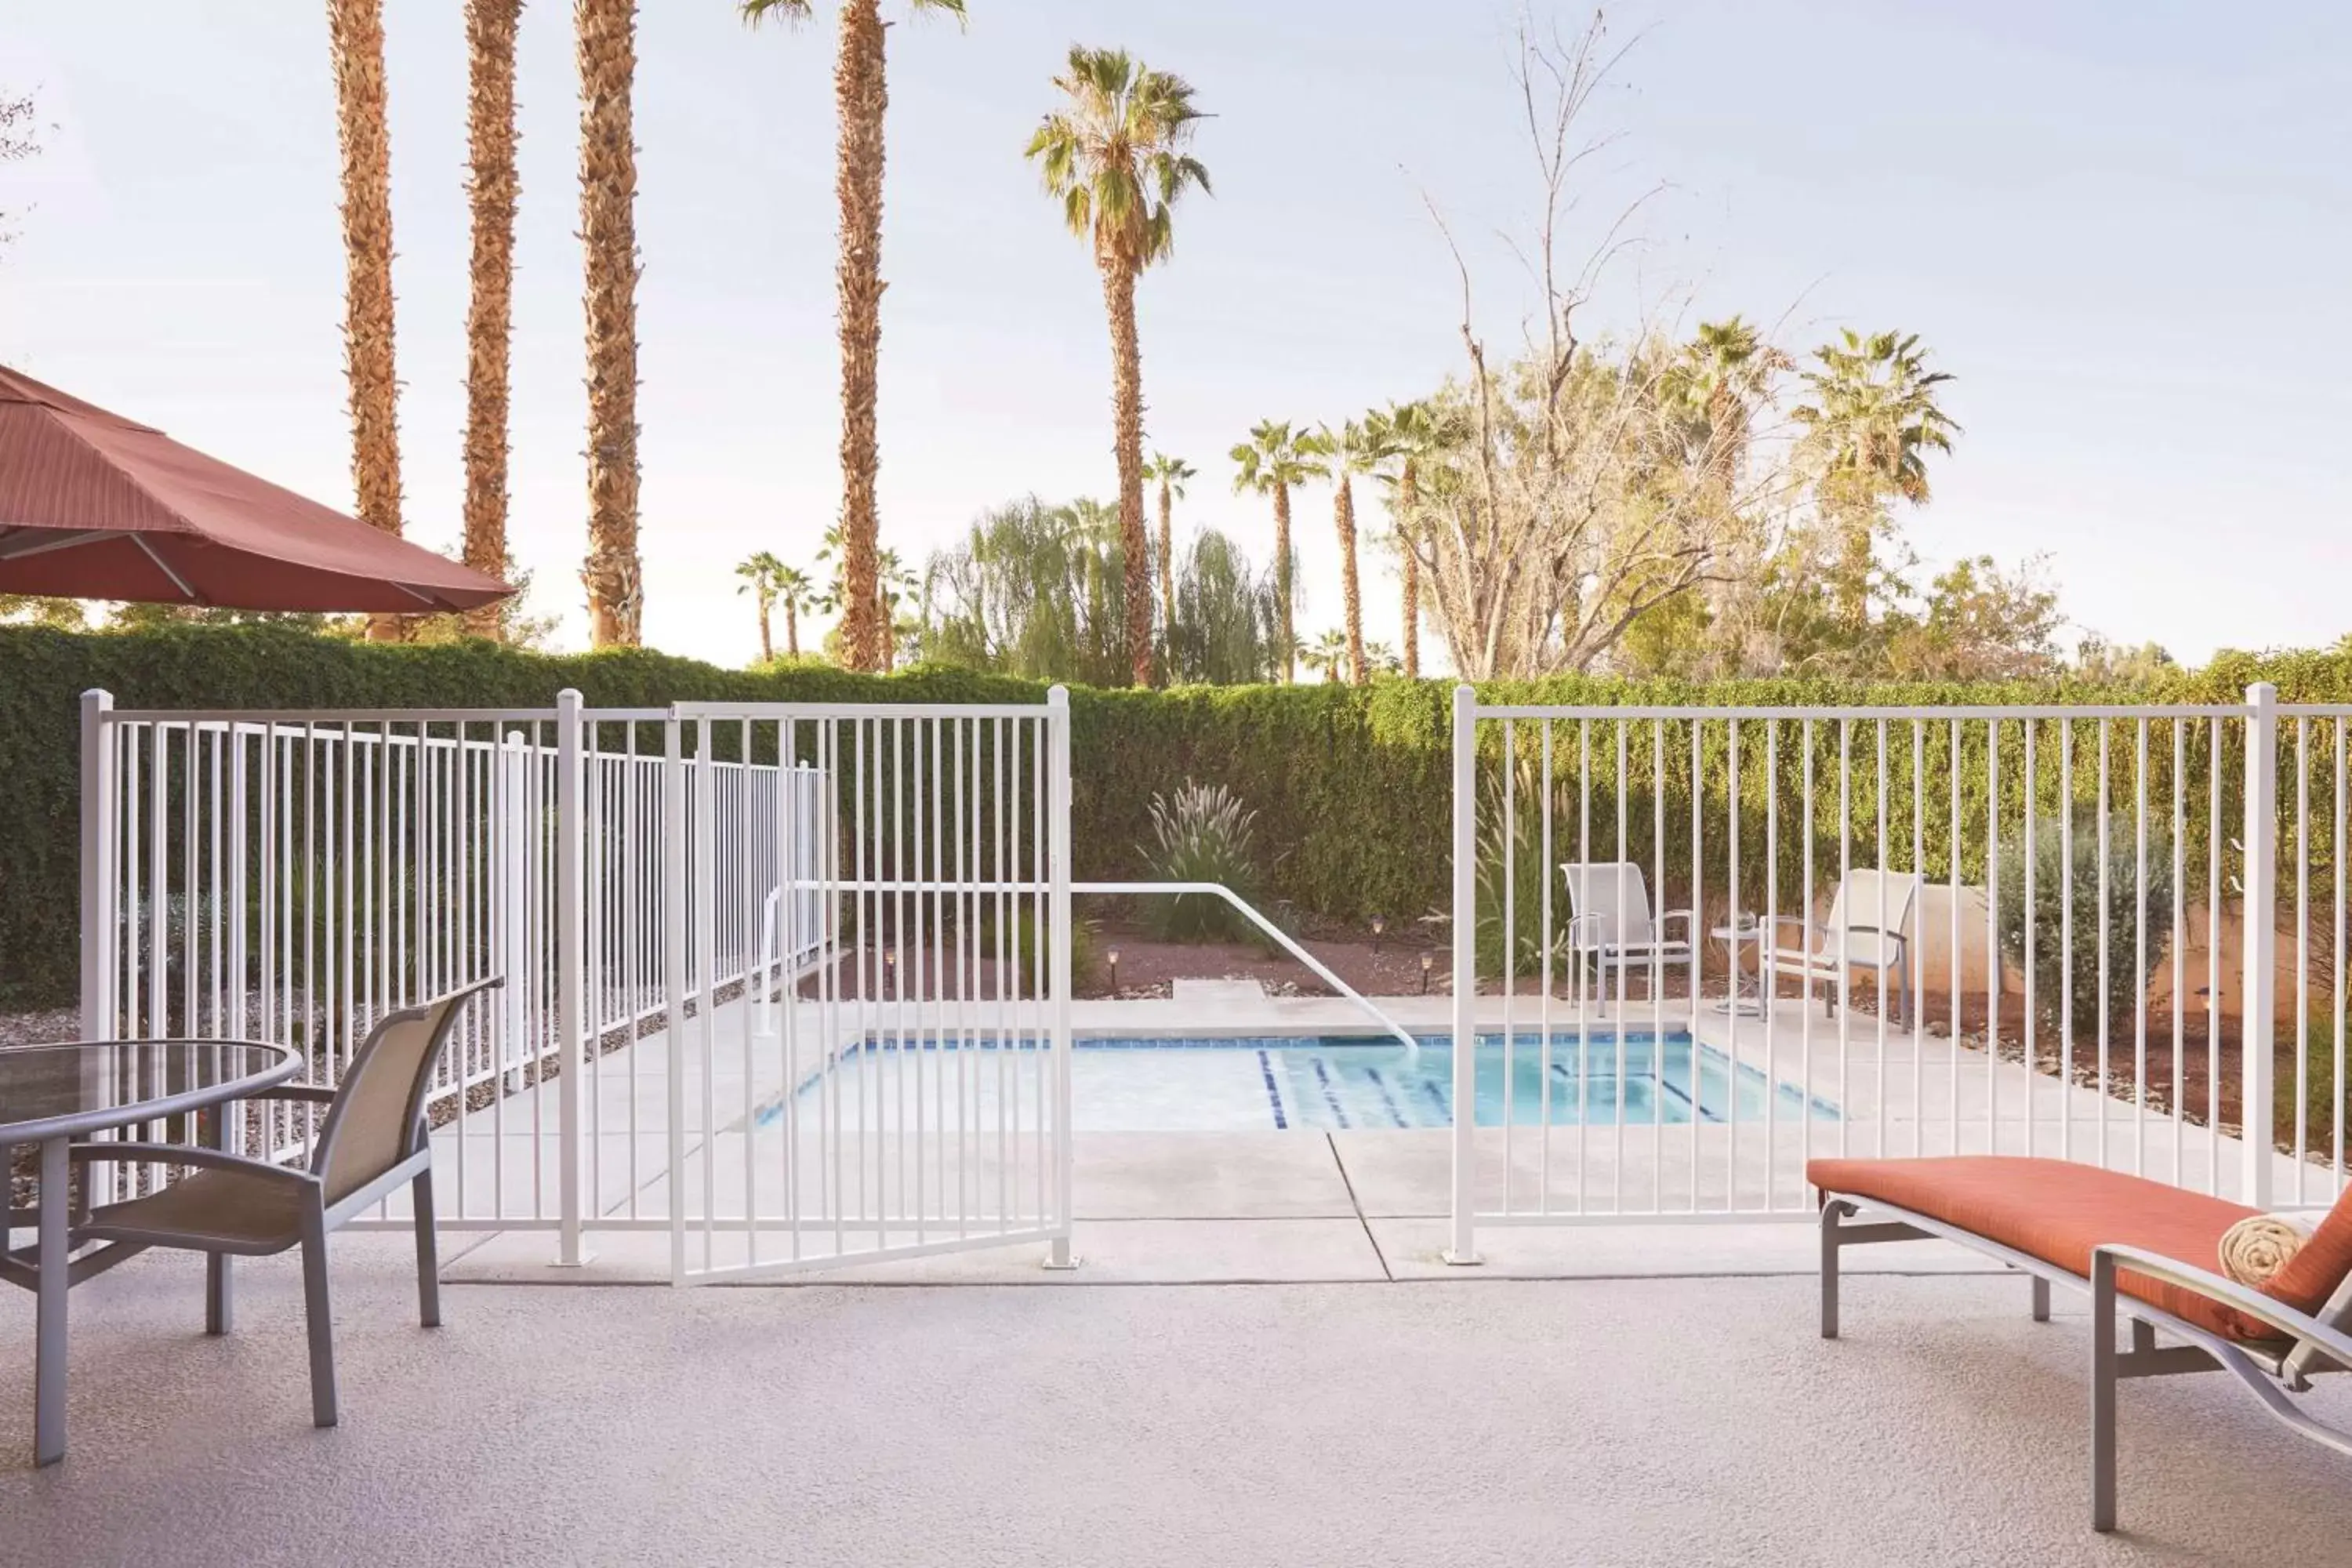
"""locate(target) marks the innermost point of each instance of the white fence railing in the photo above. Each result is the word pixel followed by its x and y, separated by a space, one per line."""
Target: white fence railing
pixel 2061 931
pixel 292 877
pixel 913 1096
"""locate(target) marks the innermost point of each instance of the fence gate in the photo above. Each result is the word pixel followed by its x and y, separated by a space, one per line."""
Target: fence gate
pixel 890 1075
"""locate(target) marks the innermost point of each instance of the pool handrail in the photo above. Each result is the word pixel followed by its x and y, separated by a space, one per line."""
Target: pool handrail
pixel 1218 889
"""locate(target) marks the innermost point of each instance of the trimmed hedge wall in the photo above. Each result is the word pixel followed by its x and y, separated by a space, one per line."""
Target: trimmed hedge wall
pixel 1352 785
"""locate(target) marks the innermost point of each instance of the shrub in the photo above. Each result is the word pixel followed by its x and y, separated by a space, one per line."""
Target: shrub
pixel 2065 979
pixel 1203 835
pixel 1024 947
pixel 1517 894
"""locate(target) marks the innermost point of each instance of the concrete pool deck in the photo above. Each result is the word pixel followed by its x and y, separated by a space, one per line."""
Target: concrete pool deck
pixel 1691 1422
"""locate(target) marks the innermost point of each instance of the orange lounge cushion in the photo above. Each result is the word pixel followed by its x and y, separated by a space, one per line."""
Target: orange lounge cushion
pixel 2058 1211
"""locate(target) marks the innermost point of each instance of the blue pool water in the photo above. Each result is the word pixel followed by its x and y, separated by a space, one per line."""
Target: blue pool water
pixel 1335 1082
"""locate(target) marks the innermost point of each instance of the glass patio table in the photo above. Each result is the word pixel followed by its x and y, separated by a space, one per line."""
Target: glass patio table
pixel 52 1095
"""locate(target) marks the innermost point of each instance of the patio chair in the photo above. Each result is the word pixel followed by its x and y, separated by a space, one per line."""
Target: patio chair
pixel 372 1140
pixel 2140 1248
pixel 1610 926
pixel 1867 928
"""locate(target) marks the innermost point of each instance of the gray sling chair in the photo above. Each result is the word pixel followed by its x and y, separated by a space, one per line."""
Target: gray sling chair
pixel 372 1139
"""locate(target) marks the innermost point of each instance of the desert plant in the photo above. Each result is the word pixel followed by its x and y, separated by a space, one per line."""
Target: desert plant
pixel 1203 835
pixel 2111 904
pixel 1511 875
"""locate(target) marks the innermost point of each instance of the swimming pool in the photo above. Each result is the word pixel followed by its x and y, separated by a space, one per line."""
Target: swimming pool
pixel 1316 1083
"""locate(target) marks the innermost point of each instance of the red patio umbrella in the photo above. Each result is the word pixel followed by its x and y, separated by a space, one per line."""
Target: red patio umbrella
pixel 94 505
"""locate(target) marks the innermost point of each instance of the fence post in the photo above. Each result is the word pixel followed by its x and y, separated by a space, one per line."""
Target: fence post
pixel 672 856
pixel 1057 849
pixel 571 990
pixel 99 918
pixel 2258 1024
pixel 1464 1249
pixel 514 906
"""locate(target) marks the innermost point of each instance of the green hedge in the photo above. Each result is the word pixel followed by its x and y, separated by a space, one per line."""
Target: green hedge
pixel 1352 785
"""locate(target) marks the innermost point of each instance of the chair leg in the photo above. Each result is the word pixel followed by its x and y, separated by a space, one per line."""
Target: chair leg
pixel 320 1320
pixel 428 1265
pixel 219 1299
pixel 2102 1392
pixel 1832 1213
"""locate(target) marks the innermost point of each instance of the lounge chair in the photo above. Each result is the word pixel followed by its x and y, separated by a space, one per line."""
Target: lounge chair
pixel 372 1141
pixel 2145 1248
pixel 1610 926
pixel 1867 928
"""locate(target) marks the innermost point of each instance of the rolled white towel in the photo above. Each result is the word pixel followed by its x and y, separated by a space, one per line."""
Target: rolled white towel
pixel 2254 1249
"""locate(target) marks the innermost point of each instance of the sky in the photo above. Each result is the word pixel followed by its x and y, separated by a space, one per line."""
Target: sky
pixel 2122 228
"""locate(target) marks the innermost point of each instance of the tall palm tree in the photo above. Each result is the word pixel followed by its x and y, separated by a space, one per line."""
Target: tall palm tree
pixel 860 96
pixel 355 43
pixel 607 49
pixel 1725 374
pixel 795 590
pixel 489 316
pixel 895 584
pixel 1113 155
pixel 1170 473
pixel 763 574
pixel 1872 419
pixel 1357 447
pixel 1416 433
pixel 1269 464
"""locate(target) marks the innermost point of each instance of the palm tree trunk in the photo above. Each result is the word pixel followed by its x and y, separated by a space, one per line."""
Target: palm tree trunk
pixel 1408 496
pixel 861 96
pixel 608 190
pixel 490 317
pixel 1167 575
pixel 767 647
pixel 355 38
pixel 1281 580
pixel 793 628
pixel 1126 419
pixel 1343 511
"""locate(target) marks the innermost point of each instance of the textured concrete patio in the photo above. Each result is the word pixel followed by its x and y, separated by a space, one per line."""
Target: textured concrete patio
pixel 1601 1421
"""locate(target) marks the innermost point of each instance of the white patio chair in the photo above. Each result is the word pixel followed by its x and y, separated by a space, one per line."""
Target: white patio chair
pixel 1867 928
pixel 1610 926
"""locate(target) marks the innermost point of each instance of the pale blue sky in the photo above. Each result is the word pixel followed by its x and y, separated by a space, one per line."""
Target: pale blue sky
pixel 2123 226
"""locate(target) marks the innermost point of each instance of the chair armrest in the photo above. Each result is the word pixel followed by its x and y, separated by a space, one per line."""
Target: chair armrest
pixel 2244 1299
pixel 1587 923
pixel 1685 916
pixel 180 1154
pixel 315 1094
pixel 1775 924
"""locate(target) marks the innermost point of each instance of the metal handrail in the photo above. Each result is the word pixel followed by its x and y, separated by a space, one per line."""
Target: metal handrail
pixel 1218 889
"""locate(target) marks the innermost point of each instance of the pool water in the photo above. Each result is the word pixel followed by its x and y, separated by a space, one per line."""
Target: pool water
pixel 1334 1083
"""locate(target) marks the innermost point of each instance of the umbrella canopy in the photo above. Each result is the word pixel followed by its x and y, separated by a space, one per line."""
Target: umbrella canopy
pixel 94 505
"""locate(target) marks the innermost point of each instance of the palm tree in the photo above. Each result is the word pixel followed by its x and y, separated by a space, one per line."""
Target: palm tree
pixel 1414 432
pixel 1170 473
pixel 1269 463
pixel 895 583
pixel 490 317
pixel 795 590
pixel 607 49
pixel 1113 155
pixel 1725 373
pixel 762 574
pixel 1357 447
pixel 1326 655
pixel 1873 420
pixel 355 42
pixel 860 96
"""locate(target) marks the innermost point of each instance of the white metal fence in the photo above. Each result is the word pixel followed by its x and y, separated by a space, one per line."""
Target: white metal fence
pixel 913 1094
pixel 293 876
pixel 2061 931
